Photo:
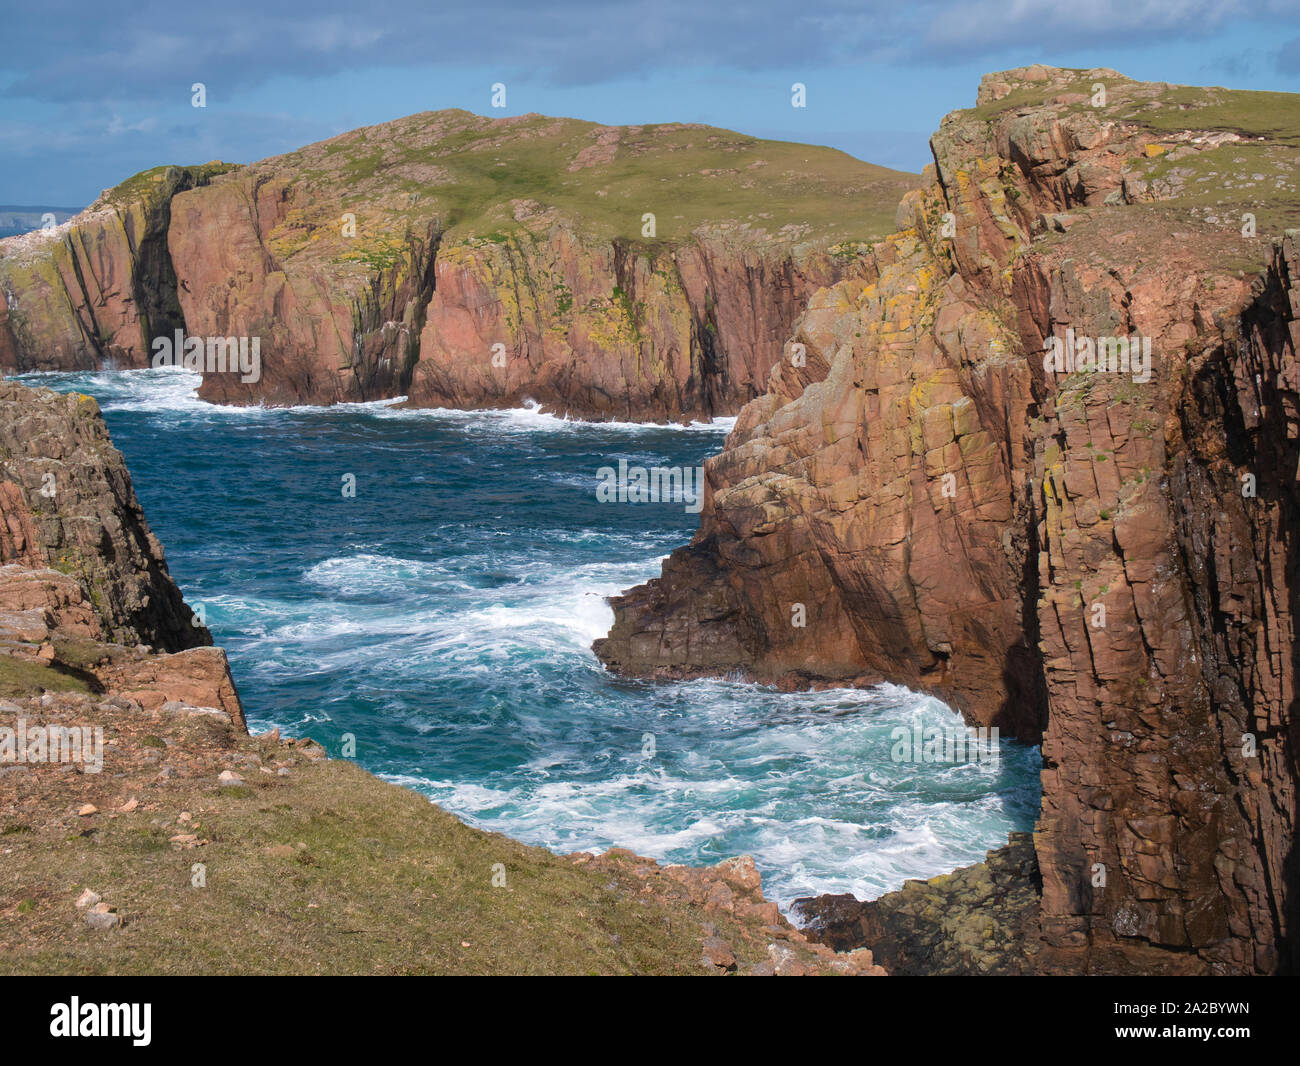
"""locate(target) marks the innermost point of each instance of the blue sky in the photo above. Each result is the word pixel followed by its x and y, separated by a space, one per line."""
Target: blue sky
pixel 92 93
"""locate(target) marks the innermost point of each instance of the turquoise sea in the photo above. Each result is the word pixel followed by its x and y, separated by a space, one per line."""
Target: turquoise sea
pixel 443 616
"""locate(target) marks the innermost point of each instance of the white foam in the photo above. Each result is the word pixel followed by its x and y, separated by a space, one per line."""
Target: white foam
pixel 533 418
pixel 177 389
pixel 372 573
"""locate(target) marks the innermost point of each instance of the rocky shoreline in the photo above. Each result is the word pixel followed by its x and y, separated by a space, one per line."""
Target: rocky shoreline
pixel 169 840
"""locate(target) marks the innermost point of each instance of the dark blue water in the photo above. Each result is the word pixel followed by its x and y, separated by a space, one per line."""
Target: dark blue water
pixel 443 618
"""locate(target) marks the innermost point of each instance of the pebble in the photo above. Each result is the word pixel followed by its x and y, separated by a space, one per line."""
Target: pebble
pixel 785 962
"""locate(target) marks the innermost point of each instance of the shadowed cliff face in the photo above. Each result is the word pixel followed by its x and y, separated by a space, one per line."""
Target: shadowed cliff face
pixel 1102 560
pixel 647 273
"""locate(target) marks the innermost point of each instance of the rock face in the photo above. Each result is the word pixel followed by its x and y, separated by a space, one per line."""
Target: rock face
pixel 1100 559
pixel 603 272
pixel 86 602
pixel 95 290
pixel 690 332
pixel 66 504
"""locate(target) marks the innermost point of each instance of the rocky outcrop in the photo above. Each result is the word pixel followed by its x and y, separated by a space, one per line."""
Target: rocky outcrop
pixel 1100 559
pixel 86 602
pixel 603 272
pixel 981 920
pixel 51 642
pixel 731 892
pixel 66 503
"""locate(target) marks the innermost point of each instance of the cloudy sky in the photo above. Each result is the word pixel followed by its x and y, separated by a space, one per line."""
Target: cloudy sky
pixel 90 93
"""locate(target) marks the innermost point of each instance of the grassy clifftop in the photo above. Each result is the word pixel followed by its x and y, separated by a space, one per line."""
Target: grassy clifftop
pixel 1219 153
pixel 212 852
pixel 479 177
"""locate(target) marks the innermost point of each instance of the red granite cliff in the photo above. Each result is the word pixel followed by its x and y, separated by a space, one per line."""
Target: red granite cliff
pixel 1100 559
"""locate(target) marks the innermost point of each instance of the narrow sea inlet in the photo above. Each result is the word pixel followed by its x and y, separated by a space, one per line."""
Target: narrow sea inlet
pixel 438 623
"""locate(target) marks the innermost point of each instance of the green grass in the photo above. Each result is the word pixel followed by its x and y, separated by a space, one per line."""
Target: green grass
pixel 1035 94
pixel 334 872
pixel 157 183
pixel 20 678
pixel 1223 183
pixel 1275 116
pixel 464 171
pixel 1261 114
pixel 1257 174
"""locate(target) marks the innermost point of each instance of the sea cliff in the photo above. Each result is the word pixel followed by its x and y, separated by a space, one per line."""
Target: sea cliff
pixel 632 273
pixel 1096 555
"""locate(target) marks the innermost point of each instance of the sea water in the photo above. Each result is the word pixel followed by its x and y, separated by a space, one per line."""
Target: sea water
pixel 442 616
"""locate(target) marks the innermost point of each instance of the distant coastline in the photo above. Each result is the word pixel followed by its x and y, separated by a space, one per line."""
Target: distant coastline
pixel 16 219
